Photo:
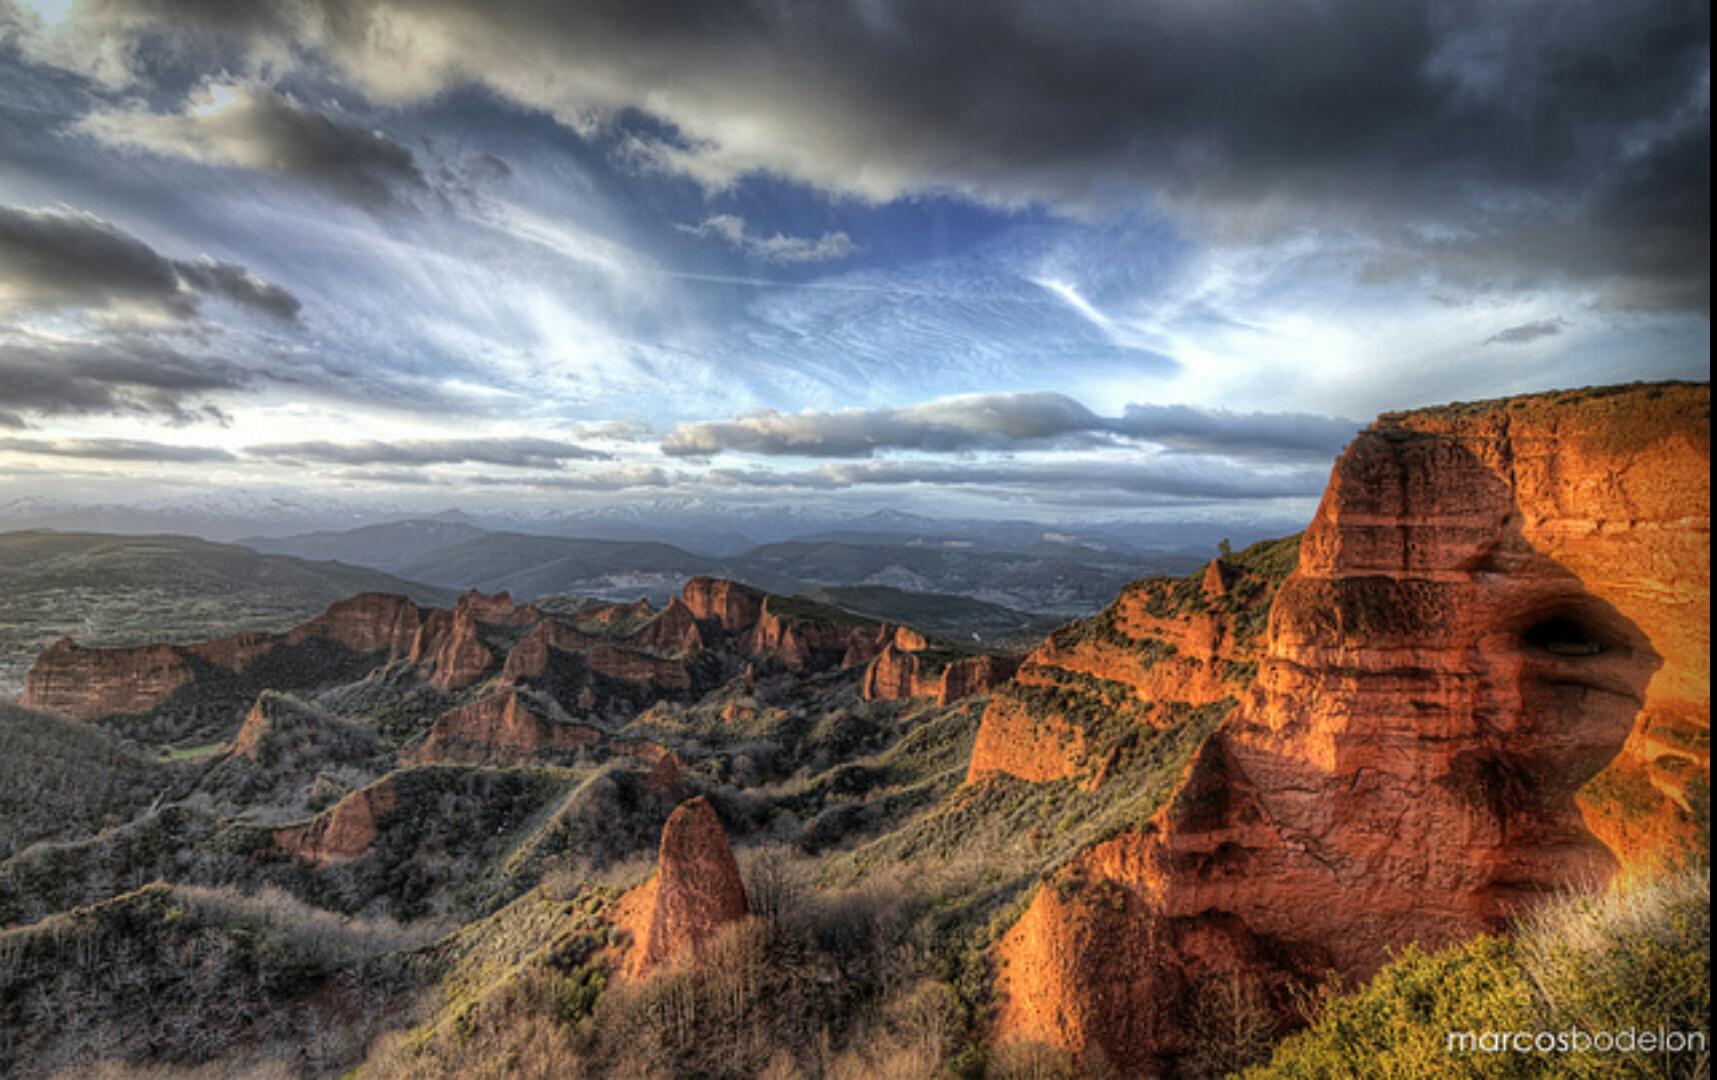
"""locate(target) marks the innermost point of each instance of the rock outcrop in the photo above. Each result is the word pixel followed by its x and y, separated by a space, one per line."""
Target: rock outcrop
pixel 1487 679
pixel 732 606
pixel 350 637
pixel 501 729
pixel 695 892
pixel 910 667
pixel 1164 651
pixel 342 832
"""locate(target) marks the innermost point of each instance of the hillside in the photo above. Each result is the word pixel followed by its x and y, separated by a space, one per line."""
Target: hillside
pixel 389 546
pixel 956 617
pixel 1058 578
pixel 123 590
pixel 1441 760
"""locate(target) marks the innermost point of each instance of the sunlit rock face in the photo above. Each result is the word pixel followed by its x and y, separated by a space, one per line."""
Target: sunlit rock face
pixel 695 892
pixel 1487 679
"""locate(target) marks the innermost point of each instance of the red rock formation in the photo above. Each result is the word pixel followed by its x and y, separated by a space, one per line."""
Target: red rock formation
pixel 894 676
pixel 459 656
pixel 736 607
pixel 809 641
pixel 501 729
pixel 367 622
pixel 898 675
pixel 342 832
pixel 1216 577
pixel 1165 649
pixel 974 676
pixel 672 633
pixel 696 891
pixel 90 683
pixel 497 610
pixel 604 617
pixel 1495 609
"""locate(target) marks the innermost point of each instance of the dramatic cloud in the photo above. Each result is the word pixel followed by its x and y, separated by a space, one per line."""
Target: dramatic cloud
pixel 115 450
pixel 777 248
pixel 992 421
pixel 139 378
pixel 1527 332
pixel 1488 142
pixel 251 126
pixel 71 259
pixel 523 453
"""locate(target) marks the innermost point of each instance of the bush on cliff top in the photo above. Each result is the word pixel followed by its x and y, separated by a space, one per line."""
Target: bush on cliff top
pixel 1629 960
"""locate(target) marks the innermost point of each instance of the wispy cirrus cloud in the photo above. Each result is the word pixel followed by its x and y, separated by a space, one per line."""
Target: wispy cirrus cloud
pixel 733 231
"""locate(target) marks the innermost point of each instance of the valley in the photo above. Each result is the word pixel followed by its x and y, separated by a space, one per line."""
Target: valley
pixel 505 804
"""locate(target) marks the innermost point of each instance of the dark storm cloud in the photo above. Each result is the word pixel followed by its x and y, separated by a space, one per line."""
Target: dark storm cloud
pixel 115 450
pixel 71 259
pixel 240 286
pixel 524 453
pixel 113 378
pixel 1527 332
pixel 252 126
pixel 1484 142
pixel 997 421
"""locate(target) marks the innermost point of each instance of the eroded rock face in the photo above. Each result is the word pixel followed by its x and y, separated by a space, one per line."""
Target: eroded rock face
pixel 368 622
pixel 454 649
pixel 1497 624
pixel 899 674
pixel 808 642
pixel 342 832
pixel 501 729
pixel 91 683
pixel 697 890
pixel 734 606
pixel 1165 650
pixel 674 632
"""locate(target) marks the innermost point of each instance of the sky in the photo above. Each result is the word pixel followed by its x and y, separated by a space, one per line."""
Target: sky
pixel 1021 259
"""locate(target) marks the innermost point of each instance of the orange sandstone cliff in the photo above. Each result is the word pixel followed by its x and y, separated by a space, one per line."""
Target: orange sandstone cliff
pixel 1164 651
pixel 1487 679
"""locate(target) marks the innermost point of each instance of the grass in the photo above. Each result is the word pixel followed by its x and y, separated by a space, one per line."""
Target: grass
pixel 192 976
pixel 1633 959
pixel 195 753
pixel 132 590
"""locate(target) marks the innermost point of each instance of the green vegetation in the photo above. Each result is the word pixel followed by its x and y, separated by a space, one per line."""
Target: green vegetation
pixel 188 976
pixel 60 779
pixel 957 618
pixel 1631 960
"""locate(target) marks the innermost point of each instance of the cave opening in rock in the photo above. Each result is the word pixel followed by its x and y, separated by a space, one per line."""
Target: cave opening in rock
pixel 1563 635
